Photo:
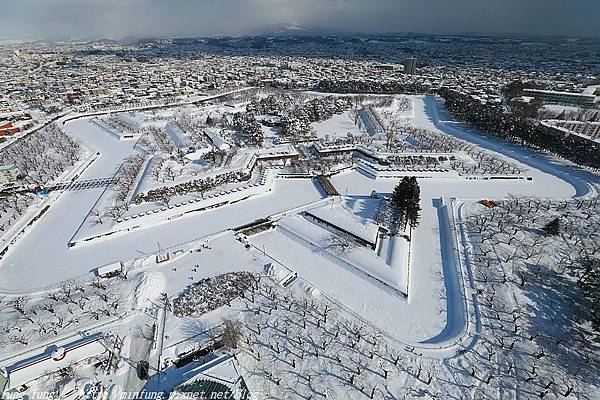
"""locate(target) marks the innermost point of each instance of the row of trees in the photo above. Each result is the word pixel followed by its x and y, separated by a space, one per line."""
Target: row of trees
pixel 12 208
pixel 165 194
pixel 296 346
pixel 125 183
pixel 297 123
pixel 572 232
pixel 492 120
pixel 42 156
pixel 156 139
pixel 484 162
pixel 532 260
pixel 377 87
pixel 27 320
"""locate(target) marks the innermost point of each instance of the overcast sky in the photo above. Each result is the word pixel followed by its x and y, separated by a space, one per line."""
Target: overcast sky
pixel 57 19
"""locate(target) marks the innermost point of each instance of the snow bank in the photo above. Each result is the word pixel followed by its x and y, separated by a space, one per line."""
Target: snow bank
pixel 150 287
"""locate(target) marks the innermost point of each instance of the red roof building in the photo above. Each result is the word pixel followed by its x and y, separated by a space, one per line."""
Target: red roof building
pixel 7 128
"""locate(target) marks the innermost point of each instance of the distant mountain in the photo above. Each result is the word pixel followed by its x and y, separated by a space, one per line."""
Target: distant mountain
pixel 295 30
pixel 272 33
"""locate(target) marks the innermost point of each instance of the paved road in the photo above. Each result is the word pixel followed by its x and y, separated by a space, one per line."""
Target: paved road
pixel 139 350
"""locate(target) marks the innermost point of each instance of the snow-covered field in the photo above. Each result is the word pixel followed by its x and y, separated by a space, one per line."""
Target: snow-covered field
pixel 341 309
pixel 337 126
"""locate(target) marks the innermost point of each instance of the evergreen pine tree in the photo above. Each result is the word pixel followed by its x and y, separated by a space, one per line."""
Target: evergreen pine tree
pixel 398 204
pixel 404 205
pixel 552 228
pixel 413 207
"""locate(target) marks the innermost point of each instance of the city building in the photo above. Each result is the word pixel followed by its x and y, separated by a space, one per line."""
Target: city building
pixel 410 66
pixel 587 98
pixel 7 128
pixel 386 67
pixel 51 360
pixel 217 141
pixel 591 129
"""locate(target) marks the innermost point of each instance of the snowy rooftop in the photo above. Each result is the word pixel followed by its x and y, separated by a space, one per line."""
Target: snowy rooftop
pixel 52 359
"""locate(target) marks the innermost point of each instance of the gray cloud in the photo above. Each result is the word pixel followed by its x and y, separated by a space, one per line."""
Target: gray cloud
pixel 119 18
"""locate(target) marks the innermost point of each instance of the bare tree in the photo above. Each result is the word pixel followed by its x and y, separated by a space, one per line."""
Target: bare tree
pixel 339 243
pixel 170 172
pixel 97 216
pixel 231 333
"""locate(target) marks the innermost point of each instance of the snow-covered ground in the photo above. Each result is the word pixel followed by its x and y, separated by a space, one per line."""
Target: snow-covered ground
pixel 337 126
pixel 52 261
pixel 411 302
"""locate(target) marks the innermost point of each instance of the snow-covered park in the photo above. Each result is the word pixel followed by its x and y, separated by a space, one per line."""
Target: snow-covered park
pixel 248 243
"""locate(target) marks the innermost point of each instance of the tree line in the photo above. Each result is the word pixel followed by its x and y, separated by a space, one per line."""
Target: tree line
pixel 374 87
pixel 491 120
